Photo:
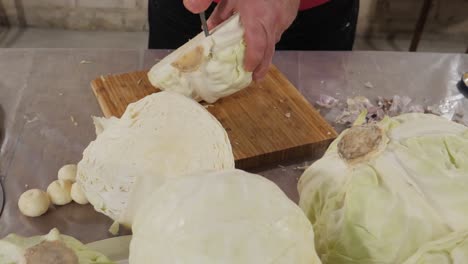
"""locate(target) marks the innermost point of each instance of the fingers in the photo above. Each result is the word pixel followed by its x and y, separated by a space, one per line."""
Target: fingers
pixel 197 6
pixel 256 42
pixel 222 11
pixel 264 65
pixel 260 47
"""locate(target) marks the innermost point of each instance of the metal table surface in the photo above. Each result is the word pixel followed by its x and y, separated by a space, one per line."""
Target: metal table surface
pixel 41 88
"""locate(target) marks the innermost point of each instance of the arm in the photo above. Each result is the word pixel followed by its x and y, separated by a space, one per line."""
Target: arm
pixel 264 22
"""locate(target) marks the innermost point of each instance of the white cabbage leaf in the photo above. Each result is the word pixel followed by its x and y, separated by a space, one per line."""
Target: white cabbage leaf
pixel 450 249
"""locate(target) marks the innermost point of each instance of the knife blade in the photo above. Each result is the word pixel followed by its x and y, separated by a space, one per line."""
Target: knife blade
pixel 204 25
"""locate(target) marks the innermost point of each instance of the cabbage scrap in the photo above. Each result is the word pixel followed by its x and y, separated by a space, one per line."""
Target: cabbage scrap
pixel 53 248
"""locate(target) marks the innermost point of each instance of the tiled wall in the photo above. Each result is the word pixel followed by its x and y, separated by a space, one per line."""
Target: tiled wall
pixel 377 17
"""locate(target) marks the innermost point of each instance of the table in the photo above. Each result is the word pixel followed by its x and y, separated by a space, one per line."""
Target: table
pixel 40 89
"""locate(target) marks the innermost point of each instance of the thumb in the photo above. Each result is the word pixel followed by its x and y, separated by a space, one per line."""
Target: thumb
pixel 196 6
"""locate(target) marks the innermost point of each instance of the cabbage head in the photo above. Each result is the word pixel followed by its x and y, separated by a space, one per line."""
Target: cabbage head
pixel 383 190
pixel 228 217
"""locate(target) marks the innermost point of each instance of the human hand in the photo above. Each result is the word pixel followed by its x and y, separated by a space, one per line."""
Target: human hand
pixel 264 22
pixel 197 6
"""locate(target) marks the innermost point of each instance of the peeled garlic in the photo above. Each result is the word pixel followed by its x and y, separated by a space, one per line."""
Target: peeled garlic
pixel 78 195
pixel 33 203
pixel 67 172
pixel 60 192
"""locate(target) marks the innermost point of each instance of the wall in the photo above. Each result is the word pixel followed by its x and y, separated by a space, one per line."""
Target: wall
pixel 377 17
pixel 391 17
pixel 127 15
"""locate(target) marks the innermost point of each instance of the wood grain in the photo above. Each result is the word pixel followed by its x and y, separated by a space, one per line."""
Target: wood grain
pixel 268 122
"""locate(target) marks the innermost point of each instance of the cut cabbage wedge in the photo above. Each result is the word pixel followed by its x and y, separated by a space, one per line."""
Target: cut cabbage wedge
pixel 206 68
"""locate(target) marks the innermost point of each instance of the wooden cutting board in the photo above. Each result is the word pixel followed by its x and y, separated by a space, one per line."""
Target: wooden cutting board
pixel 269 122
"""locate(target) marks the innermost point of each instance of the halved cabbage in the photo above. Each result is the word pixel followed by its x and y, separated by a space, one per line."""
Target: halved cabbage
pixel 161 136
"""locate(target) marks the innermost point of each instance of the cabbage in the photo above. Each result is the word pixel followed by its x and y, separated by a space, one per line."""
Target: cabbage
pixel 161 136
pixel 221 217
pixel 206 68
pixel 383 190
pixel 52 248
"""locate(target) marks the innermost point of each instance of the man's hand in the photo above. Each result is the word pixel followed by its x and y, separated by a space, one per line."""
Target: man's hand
pixel 197 6
pixel 264 22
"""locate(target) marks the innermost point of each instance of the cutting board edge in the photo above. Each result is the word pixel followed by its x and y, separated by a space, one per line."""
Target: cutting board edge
pixel 105 110
pixel 311 151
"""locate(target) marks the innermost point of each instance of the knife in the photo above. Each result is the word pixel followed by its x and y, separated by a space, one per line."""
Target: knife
pixel 204 25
